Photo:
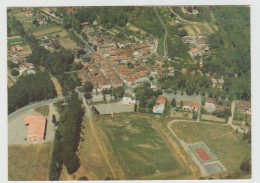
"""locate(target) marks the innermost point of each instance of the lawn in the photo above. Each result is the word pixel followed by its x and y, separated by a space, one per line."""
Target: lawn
pixel 29 162
pixel 140 149
pixel 44 110
pixel 229 147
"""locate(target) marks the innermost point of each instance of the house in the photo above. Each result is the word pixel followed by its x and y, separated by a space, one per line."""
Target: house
pixel 195 52
pixel 154 85
pixel 190 106
pixel 217 83
pixel 243 107
pixel 210 104
pixel 29 14
pixel 128 99
pixel 27 66
pixel 17 48
pixel 36 127
pixel 160 105
pixel 17 60
pixel 48 45
pixel 98 41
pixel 187 39
pixel 143 74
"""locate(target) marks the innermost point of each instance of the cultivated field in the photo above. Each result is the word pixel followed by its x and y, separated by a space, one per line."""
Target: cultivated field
pixel 223 142
pixel 68 43
pixel 135 29
pixel 29 162
pixel 49 31
pixel 202 28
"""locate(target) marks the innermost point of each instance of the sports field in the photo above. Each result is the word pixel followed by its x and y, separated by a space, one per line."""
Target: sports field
pixel 139 147
pixel 227 146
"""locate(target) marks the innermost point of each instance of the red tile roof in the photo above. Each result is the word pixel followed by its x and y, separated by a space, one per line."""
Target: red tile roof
pixel 36 129
pixel 161 100
pixel 211 100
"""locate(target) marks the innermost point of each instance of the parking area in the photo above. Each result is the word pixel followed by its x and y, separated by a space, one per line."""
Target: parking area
pixel 17 131
pixel 114 108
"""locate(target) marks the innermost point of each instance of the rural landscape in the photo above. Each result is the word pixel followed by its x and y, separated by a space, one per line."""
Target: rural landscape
pixel 129 93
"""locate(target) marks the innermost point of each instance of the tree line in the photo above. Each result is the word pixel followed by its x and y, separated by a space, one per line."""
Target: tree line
pixel 67 139
pixel 30 88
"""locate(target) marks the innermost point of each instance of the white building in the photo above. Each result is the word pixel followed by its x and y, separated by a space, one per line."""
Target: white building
pixel 128 99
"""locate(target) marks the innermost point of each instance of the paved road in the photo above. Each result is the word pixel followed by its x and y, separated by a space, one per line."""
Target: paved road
pixel 166 33
pixel 87 46
pixel 53 18
pixel 27 108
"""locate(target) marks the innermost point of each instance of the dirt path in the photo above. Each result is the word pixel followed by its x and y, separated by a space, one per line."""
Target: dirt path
pixel 168 140
pixel 89 116
pixel 57 86
pixel 166 33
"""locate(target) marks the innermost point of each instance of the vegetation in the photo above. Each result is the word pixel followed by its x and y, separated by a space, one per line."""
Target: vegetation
pixel 67 139
pixel 30 88
pixel 44 110
pixel 217 138
pixel 88 87
pixel 231 50
pixel 68 82
pixel 190 84
pixel 147 97
pixel 31 160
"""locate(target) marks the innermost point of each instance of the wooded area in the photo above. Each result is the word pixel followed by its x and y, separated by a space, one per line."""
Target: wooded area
pixel 30 88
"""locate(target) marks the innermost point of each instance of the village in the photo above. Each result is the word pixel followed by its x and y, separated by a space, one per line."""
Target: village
pixel 116 71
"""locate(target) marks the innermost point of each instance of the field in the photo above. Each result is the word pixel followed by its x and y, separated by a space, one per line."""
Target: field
pixel 44 110
pixel 202 28
pixel 135 29
pixel 29 162
pixel 15 39
pixel 223 142
pixel 67 43
pixel 57 86
pixel 26 50
pixel 213 118
pixel 49 31
pixel 140 149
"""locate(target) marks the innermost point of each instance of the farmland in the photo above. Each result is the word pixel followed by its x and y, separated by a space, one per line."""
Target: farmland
pixel 217 138
pixel 201 28
pixel 48 31
pixel 29 162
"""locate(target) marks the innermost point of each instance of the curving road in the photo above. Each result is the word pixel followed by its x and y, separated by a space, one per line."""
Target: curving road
pixel 26 108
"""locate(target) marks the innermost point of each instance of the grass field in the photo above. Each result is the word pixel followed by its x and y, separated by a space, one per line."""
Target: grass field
pixel 44 110
pixel 29 162
pixel 139 147
pixel 222 141
pixel 47 31
pixel 68 43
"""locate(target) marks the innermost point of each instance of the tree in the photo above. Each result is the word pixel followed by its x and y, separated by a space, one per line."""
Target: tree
pixel 245 165
pixel 87 95
pixel 83 178
pixel 173 102
pixel 14 72
pixel 88 86
pixel 120 92
pixel 54 119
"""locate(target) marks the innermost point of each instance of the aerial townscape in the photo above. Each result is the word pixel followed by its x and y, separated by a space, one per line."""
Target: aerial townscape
pixel 129 93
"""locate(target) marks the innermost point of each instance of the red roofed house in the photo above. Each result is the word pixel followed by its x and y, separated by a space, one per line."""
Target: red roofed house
pixel 243 107
pixel 37 127
pixel 210 104
pixel 190 106
pixel 98 40
pixel 160 104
